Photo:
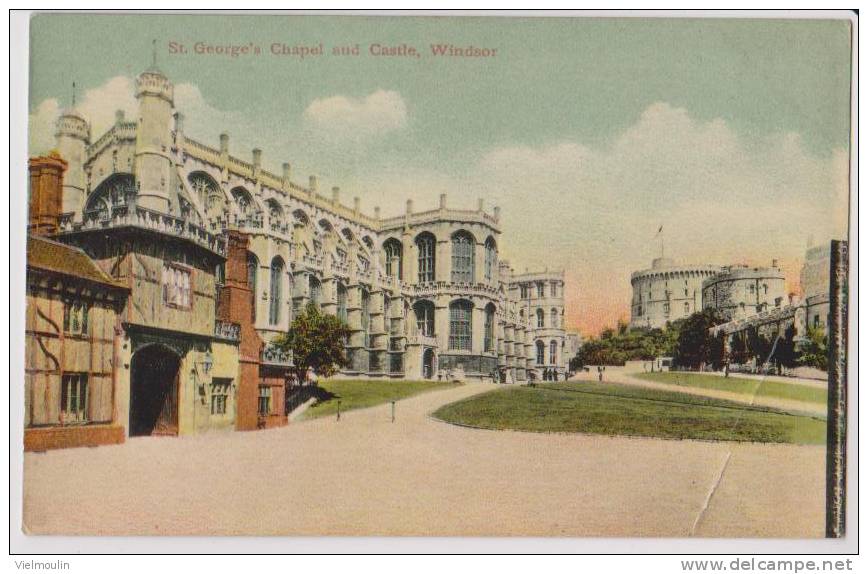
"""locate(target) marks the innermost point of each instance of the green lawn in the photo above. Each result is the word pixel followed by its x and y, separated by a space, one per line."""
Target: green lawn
pixel 360 394
pixel 776 389
pixel 613 409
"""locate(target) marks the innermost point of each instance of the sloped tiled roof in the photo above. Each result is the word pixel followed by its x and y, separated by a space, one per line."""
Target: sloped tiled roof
pixel 49 255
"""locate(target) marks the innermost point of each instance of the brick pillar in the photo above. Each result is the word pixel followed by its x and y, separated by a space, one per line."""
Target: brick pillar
pixel 236 306
pixel 46 194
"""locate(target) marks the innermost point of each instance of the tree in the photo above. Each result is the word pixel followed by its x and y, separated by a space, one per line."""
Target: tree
pixel 316 340
pixel 694 345
pixel 814 351
pixel 738 348
pixel 785 352
pixel 717 351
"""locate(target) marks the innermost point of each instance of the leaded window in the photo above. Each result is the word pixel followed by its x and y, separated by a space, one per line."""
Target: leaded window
pixel 75 318
pixel 427 260
pixel 275 291
pixel 490 258
pixel 342 303
pixel 252 269
pixel 489 328
pixel 73 398
pixel 366 316
pixel 264 407
pixel 176 286
pixel 424 318
pixel 394 258
pixel 460 326
pixel 462 258
pixel 219 396
pixel 315 288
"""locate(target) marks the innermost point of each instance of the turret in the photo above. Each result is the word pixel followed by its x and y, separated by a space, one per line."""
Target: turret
pixel 155 94
pixel 73 137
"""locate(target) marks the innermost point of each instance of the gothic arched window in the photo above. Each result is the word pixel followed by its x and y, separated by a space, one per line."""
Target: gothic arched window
pixel 394 253
pixel 275 294
pixel 463 246
pixel 489 327
pixel 424 318
pixel 426 244
pixel 460 325
pixel 540 353
pixel 252 270
pixel 490 258
pixel 342 302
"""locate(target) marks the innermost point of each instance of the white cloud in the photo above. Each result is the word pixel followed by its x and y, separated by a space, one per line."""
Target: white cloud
pixel 342 117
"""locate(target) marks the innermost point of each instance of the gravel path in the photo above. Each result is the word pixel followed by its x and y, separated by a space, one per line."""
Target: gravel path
pixel 418 476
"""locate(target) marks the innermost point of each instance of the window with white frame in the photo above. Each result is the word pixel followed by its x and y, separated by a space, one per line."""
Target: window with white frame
pixel 424 318
pixel 176 286
pixel 220 396
pixel 73 398
pixel 264 400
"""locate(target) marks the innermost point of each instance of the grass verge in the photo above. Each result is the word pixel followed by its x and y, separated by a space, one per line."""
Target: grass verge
pixel 612 409
pixel 742 386
pixel 359 394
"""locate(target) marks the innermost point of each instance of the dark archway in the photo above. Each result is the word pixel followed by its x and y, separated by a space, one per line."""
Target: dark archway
pixel 154 373
pixel 428 366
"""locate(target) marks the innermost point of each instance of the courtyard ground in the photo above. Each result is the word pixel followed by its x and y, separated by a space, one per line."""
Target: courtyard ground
pixel 366 475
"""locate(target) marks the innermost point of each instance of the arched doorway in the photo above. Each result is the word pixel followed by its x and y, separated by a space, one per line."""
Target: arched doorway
pixel 154 372
pixel 428 364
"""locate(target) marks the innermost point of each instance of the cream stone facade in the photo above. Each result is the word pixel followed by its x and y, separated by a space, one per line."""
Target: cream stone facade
pixel 540 299
pixel 666 292
pixel 425 292
pixel 739 291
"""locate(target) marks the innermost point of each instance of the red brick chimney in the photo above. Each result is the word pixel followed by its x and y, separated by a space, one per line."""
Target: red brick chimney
pixel 236 306
pixel 46 194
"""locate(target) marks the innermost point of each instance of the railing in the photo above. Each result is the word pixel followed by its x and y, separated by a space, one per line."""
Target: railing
pixel 424 340
pixel 436 287
pixel 436 214
pixel 143 218
pixel 272 355
pixel 227 330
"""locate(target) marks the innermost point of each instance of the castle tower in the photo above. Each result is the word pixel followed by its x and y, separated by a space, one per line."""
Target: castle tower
pixel 73 137
pixel 155 94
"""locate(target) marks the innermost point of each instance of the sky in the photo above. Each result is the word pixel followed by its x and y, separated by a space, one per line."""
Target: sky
pixel 589 133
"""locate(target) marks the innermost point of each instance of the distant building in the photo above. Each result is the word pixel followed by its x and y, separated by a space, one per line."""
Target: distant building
pixel 739 291
pixel 574 343
pixel 540 297
pixel 814 276
pixel 667 292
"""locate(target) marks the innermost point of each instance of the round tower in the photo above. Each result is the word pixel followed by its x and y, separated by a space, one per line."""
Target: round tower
pixel 73 137
pixel 155 94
